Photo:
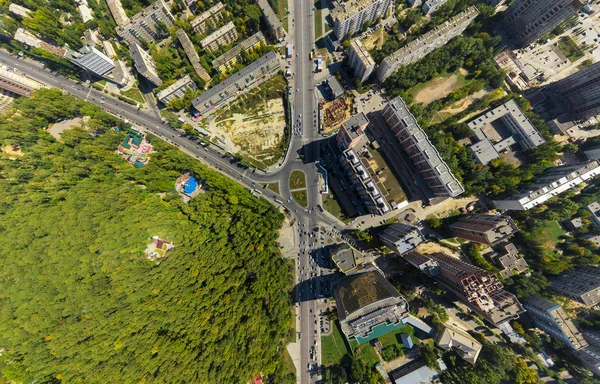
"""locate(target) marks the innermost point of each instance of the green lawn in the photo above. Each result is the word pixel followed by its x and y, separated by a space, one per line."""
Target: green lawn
pixel 331 205
pixel 333 347
pixel 570 48
pixel 318 20
pixel 297 180
pixel 393 338
pixel 393 190
pixel 367 353
pixel 301 198
pixel 273 187
pixel 134 94
pixel 548 235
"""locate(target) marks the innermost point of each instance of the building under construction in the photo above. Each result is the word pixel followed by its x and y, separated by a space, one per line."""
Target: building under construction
pixel 336 113
pixel 479 289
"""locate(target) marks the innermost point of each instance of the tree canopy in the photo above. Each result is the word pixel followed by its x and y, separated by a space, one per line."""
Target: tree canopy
pixel 81 303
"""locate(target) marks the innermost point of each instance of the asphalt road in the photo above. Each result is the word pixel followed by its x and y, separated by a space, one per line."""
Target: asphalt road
pixel 304 104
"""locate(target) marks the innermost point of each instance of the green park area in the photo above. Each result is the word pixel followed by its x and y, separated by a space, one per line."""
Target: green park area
pixel 301 198
pixel 331 205
pixel 570 48
pixel 297 180
pixel 334 346
pixel 134 94
pixel 273 187
pixel 318 19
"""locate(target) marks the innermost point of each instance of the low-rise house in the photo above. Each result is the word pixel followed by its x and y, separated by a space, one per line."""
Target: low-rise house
pixel 452 338
pixel 508 260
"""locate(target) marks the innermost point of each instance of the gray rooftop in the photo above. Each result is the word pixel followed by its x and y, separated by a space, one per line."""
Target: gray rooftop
pixel 243 46
pixel 354 122
pixel 343 257
pixel 269 14
pixel 334 85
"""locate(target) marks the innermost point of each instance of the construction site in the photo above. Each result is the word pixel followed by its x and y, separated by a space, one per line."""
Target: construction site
pixel 334 113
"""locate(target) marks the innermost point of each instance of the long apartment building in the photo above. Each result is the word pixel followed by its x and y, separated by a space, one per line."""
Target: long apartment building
pixel 17 84
pixel 275 26
pixel 553 182
pixel 144 26
pixel 221 37
pixel 581 92
pixel 480 290
pixel 252 75
pixel 423 154
pixel 350 16
pixel 517 130
pixel 582 285
pixel 360 60
pixel 229 59
pixel 176 90
pixel 484 229
pixel 192 55
pixel 425 44
pixel 528 20
pixel 552 319
pixel 401 238
pixel 208 19
pixel 144 64
pixel 117 11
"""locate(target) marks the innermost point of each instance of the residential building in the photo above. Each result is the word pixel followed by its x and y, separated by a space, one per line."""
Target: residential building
pixel 552 319
pixel 430 6
pixel 581 92
pixel 360 60
pixel 272 21
pixel 368 306
pixel 363 183
pixel 192 55
pixel 176 90
pixel 594 209
pixel 91 37
pixel 219 38
pixel 499 129
pixel 344 257
pixel 146 26
pixel 227 61
pixel 25 37
pixel 582 285
pixel 426 43
pixel 401 238
pixel 19 10
pixel 209 19
pixel 508 260
pixel 334 86
pixel 144 64
pixel 484 229
pixel 117 11
pixel 84 11
pixel 423 154
pixel 91 59
pixel 528 20
pixel 252 75
pixel 553 182
pixel 593 238
pixel 351 134
pixel 453 338
pixel 350 16
pixel 574 224
pixel 416 372
pixel 480 290
pixel 17 84
pixel 590 355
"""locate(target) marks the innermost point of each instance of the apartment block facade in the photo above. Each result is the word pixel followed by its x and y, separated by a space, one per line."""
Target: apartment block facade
pixel 176 90
pixel 208 19
pixel 401 238
pixel 192 55
pixel 349 17
pixel 221 37
pixel 117 11
pixel 480 290
pixel 581 91
pixel 423 154
pixel 144 26
pixel 360 60
pixel 144 64
pixel 582 285
pixel 272 21
pixel 425 44
pixel 229 59
pixel 553 182
pixel 252 75
pixel 528 20
pixel 484 229
pixel 17 84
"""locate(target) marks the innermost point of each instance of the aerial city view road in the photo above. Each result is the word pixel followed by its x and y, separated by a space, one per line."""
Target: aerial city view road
pixel 300 192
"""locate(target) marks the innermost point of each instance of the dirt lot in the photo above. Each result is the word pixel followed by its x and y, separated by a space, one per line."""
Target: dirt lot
pixel 440 87
pixel 432 247
pixel 56 129
pixel 257 137
pixel 375 40
pixel 12 151
pixel 342 115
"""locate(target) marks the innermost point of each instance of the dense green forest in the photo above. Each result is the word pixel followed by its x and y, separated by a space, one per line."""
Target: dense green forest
pixel 81 303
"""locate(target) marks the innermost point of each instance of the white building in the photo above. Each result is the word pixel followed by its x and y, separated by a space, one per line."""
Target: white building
pixel 430 6
pixel 360 60
pixel 117 11
pixel 19 10
pixel 91 59
pixel 551 183
pixel 144 64
pixel 176 90
pixel 349 17
pixel 401 238
pixel 17 84
pixel 145 25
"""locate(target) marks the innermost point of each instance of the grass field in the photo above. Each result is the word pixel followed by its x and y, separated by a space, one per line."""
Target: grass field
pixel 297 180
pixel 332 206
pixel 549 234
pixel 134 94
pixel 318 20
pixel 367 353
pixel 301 198
pixel 273 187
pixel 334 347
pixel 393 190
pixel 570 48
pixel 439 86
